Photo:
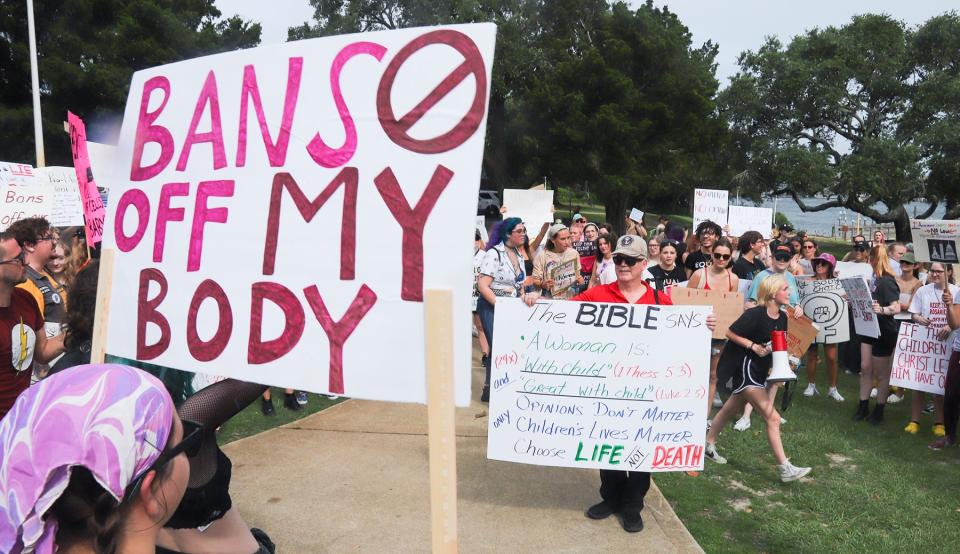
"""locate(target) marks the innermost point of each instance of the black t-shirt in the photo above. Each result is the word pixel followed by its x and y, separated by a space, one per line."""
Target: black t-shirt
pixel 886 292
pixel 696 260
pixel 664 278
pixel 747 270
pixel 757 326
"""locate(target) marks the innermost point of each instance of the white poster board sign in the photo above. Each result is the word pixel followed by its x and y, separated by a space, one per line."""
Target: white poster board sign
pixel 23 194
pixel 745 218
pixel 67 209
pixel 825 303
pixel 533 207
pixel 102 157
pixel 710 204
pixel 854 269
pixel 920 360
pixel 274 227
pixel 636 215
pixel 482 228
pixel 611 386
pixel 936 240
pixel 858 295
pixel 16 174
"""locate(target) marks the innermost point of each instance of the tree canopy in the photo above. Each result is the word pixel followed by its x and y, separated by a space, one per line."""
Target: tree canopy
pixel 862 114
pixel 583 92
pixel 87 52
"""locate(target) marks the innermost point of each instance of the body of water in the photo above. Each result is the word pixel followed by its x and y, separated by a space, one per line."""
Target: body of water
pixel 823 223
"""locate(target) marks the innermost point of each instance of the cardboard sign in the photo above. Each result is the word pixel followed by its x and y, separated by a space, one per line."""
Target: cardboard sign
pixel 611 386
pixel 920 360
pixel 727 306
pixel 533 207
pixel 93 209
pixel 745 218
pixel 858 296
pixel 23 194
pixel 67 209
pixel 16 174
pixel 800 335
pixel 825 303
pixel 709 204
pixel 278 213
pixel 936 240
pixel 636 215
pixel 564 276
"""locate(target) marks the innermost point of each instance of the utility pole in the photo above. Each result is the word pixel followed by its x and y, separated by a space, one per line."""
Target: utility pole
pixel 35 79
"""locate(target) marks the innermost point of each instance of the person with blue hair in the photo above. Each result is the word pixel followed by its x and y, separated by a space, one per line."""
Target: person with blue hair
pixel 502 274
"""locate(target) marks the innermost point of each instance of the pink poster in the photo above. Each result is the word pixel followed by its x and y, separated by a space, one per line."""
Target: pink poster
pixel 93 210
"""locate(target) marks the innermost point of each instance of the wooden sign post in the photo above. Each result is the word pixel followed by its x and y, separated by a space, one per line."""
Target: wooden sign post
pixel 442 436
pixel 98 345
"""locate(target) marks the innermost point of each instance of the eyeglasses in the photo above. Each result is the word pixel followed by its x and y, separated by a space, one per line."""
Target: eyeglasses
pixel 708 233
pixel 722 256
pixel 809 247
pixel 935 271
pixel 190 445
pixel 51 238
pixel 620 259
pixel 18 259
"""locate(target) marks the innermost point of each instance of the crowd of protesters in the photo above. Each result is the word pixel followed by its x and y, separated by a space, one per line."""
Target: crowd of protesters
pixel 586 261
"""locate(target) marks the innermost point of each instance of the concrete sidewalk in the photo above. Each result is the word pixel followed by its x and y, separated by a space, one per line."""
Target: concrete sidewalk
pixel 355 478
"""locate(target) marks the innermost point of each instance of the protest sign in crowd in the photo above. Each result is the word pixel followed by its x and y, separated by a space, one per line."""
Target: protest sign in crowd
pixel 196 249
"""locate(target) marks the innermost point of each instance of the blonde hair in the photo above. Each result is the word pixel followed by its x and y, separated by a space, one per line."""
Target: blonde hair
pixel 880 261
pixel 770 286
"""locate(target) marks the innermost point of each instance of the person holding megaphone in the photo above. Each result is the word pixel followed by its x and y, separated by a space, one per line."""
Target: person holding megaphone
pixel 756 343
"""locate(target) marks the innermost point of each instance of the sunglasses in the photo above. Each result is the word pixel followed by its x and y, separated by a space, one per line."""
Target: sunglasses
pixel 190 445
pixel 18 259
pixel 722 256
pixel 619 259
pixel 809 246
pixel 782 257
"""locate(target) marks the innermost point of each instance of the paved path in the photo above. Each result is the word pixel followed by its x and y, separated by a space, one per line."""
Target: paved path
pixel 354 478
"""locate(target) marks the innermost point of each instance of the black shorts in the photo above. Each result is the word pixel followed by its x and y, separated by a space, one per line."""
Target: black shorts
pixel 750 375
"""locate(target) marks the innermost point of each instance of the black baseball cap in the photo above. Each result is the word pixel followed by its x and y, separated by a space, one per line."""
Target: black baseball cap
pixel 782 251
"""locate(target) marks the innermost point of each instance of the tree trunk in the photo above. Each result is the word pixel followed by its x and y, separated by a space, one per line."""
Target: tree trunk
pixel 495 158
pixel 902 226
pixel 614 208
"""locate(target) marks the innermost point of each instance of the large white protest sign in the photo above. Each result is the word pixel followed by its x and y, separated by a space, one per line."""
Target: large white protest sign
pixel 22 194
pixel 67 208
pixel 710 204
pixel 482 229
pixel 745 218
pixel 858 296
pixel 936 240
pixel 611 386
pixel 278 212
pixel 854 269
pixel 920 360
pixel 825 303
pixel 102 158
pixel 533 207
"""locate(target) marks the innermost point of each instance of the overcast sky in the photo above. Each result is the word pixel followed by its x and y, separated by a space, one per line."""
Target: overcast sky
pixel 736 25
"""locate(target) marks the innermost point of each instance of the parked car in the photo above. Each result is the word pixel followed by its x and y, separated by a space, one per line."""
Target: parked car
pixel 488 203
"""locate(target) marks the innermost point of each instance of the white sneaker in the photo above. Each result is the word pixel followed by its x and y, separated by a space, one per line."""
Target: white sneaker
pixel 717 401
pixel 782 421
pixel 790 472
pixel 811 390
pixel 834 394
pixel 742 424
pixel 873 392
pixel 709 424
pixel 893 399
pixel 711 452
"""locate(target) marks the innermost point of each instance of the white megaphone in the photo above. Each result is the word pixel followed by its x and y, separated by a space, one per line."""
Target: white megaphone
pixel 780 370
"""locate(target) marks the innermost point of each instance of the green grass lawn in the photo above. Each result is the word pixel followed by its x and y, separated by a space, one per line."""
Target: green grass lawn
pixel 251 421
pixel 872 489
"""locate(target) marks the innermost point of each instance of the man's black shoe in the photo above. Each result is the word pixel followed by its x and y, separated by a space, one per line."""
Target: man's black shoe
pixel 266 406
pixel 485 394
pixel 290 403
pixel 602 510
pixel 632 522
